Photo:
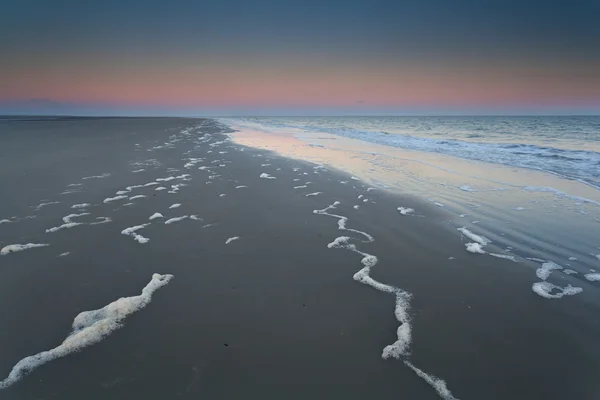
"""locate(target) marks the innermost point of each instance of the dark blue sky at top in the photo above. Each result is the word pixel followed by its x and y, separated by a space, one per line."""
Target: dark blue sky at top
pixel 550 27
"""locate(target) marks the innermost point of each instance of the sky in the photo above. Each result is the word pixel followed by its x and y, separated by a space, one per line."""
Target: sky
pixel 305 57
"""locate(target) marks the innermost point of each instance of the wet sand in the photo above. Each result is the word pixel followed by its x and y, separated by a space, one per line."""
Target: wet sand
pixel 275 313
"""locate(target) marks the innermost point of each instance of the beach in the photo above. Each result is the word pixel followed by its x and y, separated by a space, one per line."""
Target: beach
pixel 282 275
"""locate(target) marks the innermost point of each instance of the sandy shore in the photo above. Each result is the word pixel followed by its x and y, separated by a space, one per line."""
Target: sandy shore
pixel 275 313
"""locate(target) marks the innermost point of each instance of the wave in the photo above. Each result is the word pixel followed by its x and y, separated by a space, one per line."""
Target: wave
pixel 581 165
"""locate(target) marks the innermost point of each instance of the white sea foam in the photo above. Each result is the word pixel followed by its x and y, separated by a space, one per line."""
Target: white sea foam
pixel 405 210
pixel 466 188
pixel 102 220
pixel 175 219
pixel 504 256
pixel 167 179
pixel 313 194
pixel 539 260
pixel 300 187
pixel 438 384
pixel 82 205
pixel 128 204
pixel 265 165
pixel 342 220
pixel 88 328
pixel 138 170
pixel 241 186
pixel 176 205
pixel 475 248
pixel 156 215
pixel 569 271
pixel 104 175
pixel 160 188
pixel 482 240
pixel 64 254
pixel 41 205
pixel 356 207
pixel 195 218
pixel 546 269
pixel 231 239
pixel 572 258
pixel 267 176
pixel 5 221
pixel 13 248
pixel 122 192
pixel 131 231
pixel 592 277
pixel 110 199
pixel 68 223
pixel 545 289
pixel 139 196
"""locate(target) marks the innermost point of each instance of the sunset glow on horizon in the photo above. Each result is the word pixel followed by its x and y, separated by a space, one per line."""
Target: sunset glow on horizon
pixel 361 58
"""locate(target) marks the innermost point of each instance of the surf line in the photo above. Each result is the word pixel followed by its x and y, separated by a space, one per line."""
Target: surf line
pixel 400 349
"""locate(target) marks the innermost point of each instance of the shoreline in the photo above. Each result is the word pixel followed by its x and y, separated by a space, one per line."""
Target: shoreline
pixel 276 308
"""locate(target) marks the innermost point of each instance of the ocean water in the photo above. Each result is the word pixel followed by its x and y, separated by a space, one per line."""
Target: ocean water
pixel 565 146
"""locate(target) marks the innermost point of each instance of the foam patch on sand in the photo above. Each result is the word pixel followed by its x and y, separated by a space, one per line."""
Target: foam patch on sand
pixel 231 239
pixel 101 220
pixel 131 231
pixel 592 277
pixel 401 347
pixel 104 175
pixel 156 215
pixel 545 290
pixel 405 210
pixel 176 205
pixel 313 194
pixel 267 176
pixel 475 248
pixel 88 328
pixel 13 248
pixel 175 219
pixel 482 240
pixel 546 269
pixel 111 199
pixel 549 290
pixel 342 220
pixel 41 205
pixel 67 223
pixel 82 205
pixel 503 256
pixel 438 384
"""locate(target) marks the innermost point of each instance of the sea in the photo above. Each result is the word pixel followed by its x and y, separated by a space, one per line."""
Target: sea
pixel 568 146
